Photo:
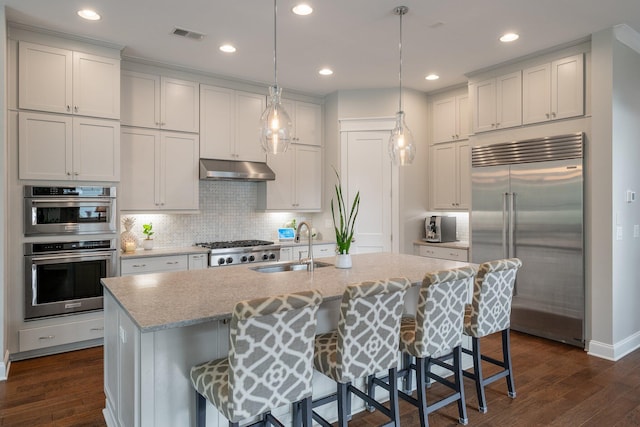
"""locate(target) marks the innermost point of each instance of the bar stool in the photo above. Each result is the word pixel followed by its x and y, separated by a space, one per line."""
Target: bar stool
pixel 436 331
pixel 365 343
pixel 490 312
pixel 269 363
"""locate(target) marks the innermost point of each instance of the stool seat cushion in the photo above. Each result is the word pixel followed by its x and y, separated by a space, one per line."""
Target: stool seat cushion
pixel 211 379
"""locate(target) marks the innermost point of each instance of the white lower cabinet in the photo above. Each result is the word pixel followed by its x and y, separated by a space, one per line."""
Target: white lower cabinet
pixel 57 147
pixel 452 254
pixel 66 333
pixel 160 264
pixel 294 253
pixel 198 261
pixel 159 170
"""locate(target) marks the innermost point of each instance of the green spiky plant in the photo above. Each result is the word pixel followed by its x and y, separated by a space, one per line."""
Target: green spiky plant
pixel 346 228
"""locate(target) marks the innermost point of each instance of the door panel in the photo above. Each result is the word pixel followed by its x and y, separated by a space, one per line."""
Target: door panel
pixel 369 171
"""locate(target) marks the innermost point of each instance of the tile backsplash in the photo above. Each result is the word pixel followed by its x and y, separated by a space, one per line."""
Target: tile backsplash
pixel 227 212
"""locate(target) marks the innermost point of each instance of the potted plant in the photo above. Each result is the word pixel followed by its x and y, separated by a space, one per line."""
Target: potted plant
pixel 345 226
pixel 147 230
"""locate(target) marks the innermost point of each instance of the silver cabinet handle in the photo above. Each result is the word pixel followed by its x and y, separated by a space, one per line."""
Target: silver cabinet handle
pixel 172 262
pixel 47 337
pixel 139 265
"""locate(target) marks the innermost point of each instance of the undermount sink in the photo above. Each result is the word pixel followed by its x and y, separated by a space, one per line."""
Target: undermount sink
pixel 288 266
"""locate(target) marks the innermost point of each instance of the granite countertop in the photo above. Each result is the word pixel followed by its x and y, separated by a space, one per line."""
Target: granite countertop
pixel 176 299
pixel 458 244
pixel 141 253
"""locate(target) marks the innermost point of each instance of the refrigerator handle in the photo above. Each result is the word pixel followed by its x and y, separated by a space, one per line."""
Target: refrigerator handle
pixel 512 225
pixel 505 224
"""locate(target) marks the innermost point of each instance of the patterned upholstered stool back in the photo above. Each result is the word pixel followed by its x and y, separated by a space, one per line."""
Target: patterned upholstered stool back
pixel 490 310
pixel 369 327
pixel 440 315
pixel 271 352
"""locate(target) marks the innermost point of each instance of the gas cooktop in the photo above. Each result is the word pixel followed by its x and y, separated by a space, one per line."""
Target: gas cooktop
pixel 230 244
pixel 240 252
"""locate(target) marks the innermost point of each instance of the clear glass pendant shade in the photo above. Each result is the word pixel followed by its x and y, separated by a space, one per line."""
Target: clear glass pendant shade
pixel 401 147
pixel 275 124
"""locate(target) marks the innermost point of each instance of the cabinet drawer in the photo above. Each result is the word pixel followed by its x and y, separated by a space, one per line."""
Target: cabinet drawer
pixel 153 265
pixel 324 250
pixel 443 253
pixel 49 336
pixel 198 261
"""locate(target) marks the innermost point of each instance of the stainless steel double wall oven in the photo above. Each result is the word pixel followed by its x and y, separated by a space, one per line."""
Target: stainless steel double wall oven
pixel 63 276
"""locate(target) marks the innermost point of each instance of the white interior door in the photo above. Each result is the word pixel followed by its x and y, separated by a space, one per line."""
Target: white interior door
pixel 368 170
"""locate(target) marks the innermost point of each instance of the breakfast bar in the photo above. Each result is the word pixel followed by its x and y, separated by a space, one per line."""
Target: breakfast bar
pixel 157 326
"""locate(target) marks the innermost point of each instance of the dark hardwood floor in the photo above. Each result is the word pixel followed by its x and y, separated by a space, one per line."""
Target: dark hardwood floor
pixel 556 384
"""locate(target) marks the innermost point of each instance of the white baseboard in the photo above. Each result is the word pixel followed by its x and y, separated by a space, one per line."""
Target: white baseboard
pixel 4 366
pixel 616 351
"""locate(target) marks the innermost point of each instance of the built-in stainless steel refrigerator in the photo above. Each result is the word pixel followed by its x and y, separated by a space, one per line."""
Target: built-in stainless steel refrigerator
pixel 527 202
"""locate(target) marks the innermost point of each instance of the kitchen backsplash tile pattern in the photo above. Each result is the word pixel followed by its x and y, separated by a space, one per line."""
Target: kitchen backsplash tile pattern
pixel 227 212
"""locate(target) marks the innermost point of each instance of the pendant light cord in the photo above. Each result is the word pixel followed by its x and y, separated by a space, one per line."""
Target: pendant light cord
pixel 400 12
pixel 275 42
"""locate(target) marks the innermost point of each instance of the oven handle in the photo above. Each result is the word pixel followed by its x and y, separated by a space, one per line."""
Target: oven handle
pixel 63 257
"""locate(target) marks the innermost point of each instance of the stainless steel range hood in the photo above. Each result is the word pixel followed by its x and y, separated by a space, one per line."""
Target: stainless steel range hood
pixel 231 170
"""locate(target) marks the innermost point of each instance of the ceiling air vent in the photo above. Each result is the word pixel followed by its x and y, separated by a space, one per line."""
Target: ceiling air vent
pixel 187 33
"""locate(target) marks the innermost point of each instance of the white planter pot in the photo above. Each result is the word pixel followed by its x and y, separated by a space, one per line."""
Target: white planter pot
pixel 343 261
pixel 147 244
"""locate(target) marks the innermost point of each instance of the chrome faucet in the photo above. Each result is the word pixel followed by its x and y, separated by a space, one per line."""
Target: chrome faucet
pixel 310 259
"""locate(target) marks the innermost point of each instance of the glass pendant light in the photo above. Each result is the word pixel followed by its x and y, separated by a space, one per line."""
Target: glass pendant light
pixel 401 147
pixel 275 124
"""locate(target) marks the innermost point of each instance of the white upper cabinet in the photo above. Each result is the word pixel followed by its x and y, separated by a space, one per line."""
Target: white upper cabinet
pixel 62 81
pixel 450 175
pixel 159 170
pixel 59 147
pixel 159 102
pixel 306 119
pixel 298 184
pixel 229 123
pixel 451 121
pixel 497 102
pixel 553 90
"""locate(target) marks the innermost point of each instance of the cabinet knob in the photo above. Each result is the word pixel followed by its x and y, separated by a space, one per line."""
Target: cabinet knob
pixel 547 114
pixel 68 107
pixel 75 108
pixel 76 173
pixel 68 173
pixel 497 124
pixel 493 125
pixel 553 114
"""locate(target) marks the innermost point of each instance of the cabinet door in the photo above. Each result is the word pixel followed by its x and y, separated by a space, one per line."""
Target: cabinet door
pixel 463 119
pixel 509 100
pixel 327 250
pixel 179 171
pixel 96 86
pixel 217 123
pixel 484 105
pixel 464 175
pixel 249 108
pixel 45 146
pixel 44 78
pixel 443 176
pixel 536 99
pixel 308 123
pixel 280 194
pixel 96 149
pixel 140 96
pixel 444 120
pixel 139 169
pixel 286 254
pixel 179 105
pixel 567 87
pixel 308 178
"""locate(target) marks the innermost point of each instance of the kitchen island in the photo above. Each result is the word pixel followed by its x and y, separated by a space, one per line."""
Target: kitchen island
pixel 159 325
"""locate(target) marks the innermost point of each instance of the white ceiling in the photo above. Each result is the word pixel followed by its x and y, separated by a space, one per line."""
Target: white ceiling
pixel 358 39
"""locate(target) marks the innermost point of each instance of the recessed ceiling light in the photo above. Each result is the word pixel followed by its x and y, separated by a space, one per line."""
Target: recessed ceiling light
pixel 509 37
pixel 432 77
pixel 227 48
pixel 89 14
pixel 302 9
pixel 326 71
